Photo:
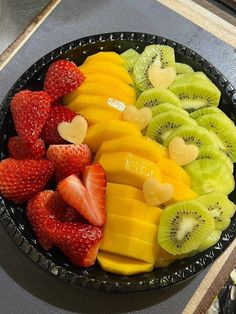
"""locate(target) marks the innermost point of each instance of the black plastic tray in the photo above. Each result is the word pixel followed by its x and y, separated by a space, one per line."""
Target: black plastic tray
pixel 13 217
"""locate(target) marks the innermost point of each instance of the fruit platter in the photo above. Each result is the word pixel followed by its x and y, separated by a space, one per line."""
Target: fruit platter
pixel 117 162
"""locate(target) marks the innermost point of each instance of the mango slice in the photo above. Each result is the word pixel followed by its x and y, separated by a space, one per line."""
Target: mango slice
pixel 139 146
pixel 109 68
pixel 130 247
pixel 95 114
pixel 84 101
pixel 170 168
pixel 122 265
pixel 124 191
pixel 110 56
pixel 164 258
pixel 131 208
pixel 181 191
pixel 132 227
pixel 100 132
pixel 127 168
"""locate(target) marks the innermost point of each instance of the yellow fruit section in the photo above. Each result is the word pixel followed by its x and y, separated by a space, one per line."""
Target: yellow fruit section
pixel 106 89
pixel 131 227
pixel 110 56
pixel 127 168
pixel 122 265
pixel 119 244
pixel 84 101
pixel 125 191
pixel 164 258
pixel 170 168
pixel 132 208
pixel 100 132
pixel 94 114
pixel 109 68
pixel 181 191
pixel 139 146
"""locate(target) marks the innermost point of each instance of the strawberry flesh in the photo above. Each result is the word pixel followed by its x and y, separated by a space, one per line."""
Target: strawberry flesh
pixel 19 149
pixel 30 111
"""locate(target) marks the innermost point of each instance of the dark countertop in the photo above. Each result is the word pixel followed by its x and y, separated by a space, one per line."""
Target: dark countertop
pixel 24 288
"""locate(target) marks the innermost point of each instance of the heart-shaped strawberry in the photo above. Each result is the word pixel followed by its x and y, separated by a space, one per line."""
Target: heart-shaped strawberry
pixel 30 111
pixel 156 193
pixel 74 131
pixel 181 152
pixel 139 116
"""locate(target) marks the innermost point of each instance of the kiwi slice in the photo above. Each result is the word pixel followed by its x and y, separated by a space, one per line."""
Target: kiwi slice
pixel 216 154
pixel 130 56
pixel 184 226
pixel 210 176
pixel 220 207
pixel 223 131
pixel 168 107
pixel 210 110
pixel 190 77
pixel 183 68
pixel 161 126
pixel 210 240
pixel 156 96
pixel 163 56
pixel 195 93
pixel 198 136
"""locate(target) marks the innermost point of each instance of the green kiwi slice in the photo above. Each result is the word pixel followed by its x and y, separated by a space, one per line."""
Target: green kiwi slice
pixel 216 154
pixel 210 176
pixel 168 107
pixel 223 131
pixel 151 53
pixel 211 240
pixel 130 56
pixel 220 207
pixel 210 110
pixel 156 96
pixel 161 126
pixel 198 136
pixel 184 226
pixel 183 68
pixel 195 91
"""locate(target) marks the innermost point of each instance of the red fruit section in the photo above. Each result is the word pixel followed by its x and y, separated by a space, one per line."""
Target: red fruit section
pixel 19 149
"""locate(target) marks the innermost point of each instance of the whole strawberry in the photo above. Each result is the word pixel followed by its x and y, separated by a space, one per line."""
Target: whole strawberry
pixel 68 159
pixel 62 77
pixel 30 111
pixel 19 149
pixel 20 180
pixel 57 115
pixel 42 210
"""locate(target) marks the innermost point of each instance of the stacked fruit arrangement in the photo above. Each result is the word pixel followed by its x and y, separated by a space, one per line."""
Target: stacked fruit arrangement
pixel 141 156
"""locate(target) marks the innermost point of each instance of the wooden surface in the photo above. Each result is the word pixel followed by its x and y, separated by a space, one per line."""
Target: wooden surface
pixel 30 29
pixel 203 18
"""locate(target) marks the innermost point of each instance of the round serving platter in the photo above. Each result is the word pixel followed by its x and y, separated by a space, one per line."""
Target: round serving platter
pixel 13 217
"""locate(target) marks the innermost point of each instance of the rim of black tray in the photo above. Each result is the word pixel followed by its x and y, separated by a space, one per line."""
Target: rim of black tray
pixel 173 274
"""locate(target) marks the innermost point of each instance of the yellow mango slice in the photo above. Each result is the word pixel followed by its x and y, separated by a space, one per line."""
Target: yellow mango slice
pixel 122 265
pixel 100 132
pixel 110 56
pixel 164 258
pixel 170 168
pixel 84 101
pixel 106 89
pixel 127 168
pixel 125 191
pixel 109 68
pixel 132 208
pixel 181 191
pixel 132 227
pixel 95 114
pixel 139 146
pixel 130 247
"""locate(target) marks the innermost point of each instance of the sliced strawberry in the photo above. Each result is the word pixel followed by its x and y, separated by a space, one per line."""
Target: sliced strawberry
pixel 57 115
pixel 20 180
pixel 62 77
pixel 42 210
pixel 68 159
pixel 88 198
pixel 19 149
pixel 78 241
pixel 30 111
